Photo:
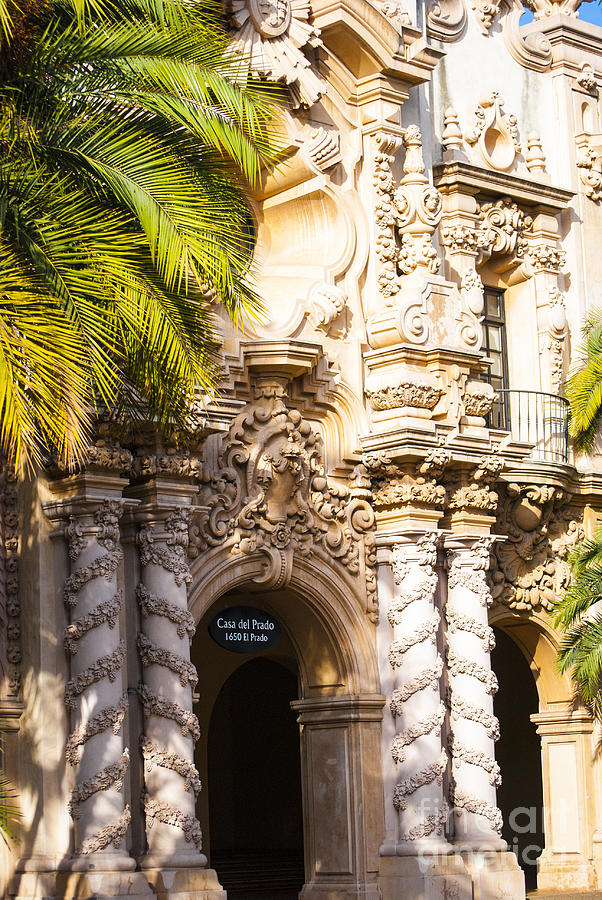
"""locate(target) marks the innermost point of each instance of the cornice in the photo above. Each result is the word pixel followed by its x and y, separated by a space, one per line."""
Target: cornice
pixel 361 37
pixel 573 41
pixel 450 176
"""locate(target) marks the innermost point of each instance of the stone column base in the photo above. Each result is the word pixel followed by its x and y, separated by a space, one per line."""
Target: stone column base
pixel 495 873
pixel 93 885
pixel 33 886
pixel 424 878
pixel 185 884
pixel 564 872
pixel 333 891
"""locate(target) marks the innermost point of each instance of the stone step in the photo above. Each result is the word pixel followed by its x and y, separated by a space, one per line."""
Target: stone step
pixel 564 895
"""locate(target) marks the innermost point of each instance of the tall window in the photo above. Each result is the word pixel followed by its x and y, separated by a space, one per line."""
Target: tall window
pixel 494 344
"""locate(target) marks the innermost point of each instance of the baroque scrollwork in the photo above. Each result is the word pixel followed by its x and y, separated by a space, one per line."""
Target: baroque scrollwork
pixel 529 568
pixel 268 494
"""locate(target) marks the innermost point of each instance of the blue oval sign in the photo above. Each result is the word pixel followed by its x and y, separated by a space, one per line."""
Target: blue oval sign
pixel 244 629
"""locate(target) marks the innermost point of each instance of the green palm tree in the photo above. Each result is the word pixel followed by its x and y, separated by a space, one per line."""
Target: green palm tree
pixel 584 387
pixel 579 614
pixel 9 814
pixel 128 140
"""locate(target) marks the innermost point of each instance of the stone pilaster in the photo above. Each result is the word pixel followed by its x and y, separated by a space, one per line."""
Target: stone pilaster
pixel 174 862
pixel 416 702
pixel 477 821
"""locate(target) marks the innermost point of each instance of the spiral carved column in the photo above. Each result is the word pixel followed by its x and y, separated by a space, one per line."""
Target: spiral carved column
pixel 472 685
pixel 170 726
pixel 94 692
pixel 416 700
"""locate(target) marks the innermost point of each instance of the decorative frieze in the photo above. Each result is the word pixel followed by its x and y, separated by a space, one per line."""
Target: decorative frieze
pixel 418 392
pixel 546 257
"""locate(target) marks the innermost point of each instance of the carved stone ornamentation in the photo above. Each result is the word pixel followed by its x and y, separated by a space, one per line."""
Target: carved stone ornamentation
pixel 479 398
pixel 268 494
pixel 394 12
pixel 271 35
pixel 534 157
pixel 417 209
pixel 417 665
pixel 418 392
pixel 327 306
pixel 446 19
pixel 94 691
pixel 541 9
pixel 394 486
pixel 545 257
pixel 529 569
pixel 493 133
pixel 485 11
pixel 170 726
pixel 589 164
pixel 386 246
pixel 477 492
pixel 322 150
pixel 587 78
pixel 472 684
pixel 502 229
pixel 556 338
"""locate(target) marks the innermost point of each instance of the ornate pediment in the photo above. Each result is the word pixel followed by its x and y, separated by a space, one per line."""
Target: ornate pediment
pixel 268 494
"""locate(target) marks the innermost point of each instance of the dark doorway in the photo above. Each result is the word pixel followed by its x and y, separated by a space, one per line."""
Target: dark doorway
pixel 518 753
pixel 254 774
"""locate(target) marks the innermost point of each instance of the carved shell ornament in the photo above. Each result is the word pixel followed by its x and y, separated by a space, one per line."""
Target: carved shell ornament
pixel 271 36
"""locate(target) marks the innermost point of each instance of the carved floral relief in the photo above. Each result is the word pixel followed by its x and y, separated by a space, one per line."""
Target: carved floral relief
pixel 269 494
pixel 529 568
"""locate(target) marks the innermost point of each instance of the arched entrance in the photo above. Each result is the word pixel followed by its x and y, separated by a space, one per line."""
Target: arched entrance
pixel 518 753
pixel 325 662
pixel 254 783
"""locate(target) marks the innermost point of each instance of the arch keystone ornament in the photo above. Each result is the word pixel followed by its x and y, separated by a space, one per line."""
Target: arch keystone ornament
pixel 268 494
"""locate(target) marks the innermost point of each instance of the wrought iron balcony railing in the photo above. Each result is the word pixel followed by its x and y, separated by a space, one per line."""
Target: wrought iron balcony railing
pixel 533 417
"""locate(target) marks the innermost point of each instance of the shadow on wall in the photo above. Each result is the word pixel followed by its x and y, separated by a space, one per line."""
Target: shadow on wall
pixel 518 752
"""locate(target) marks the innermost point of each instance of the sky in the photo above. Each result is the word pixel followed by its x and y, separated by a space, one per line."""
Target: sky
pixel 589 12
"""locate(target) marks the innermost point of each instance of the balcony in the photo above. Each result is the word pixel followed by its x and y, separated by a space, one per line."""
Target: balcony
pixel 533 417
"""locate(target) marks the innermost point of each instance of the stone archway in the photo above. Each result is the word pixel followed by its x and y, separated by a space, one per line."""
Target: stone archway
pixel 566 754
pixel 339 707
